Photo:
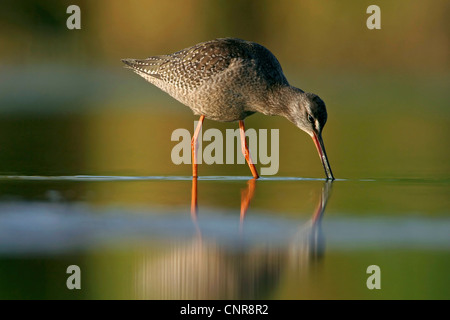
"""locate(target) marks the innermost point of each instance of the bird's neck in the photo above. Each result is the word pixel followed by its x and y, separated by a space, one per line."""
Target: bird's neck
pixel 278 101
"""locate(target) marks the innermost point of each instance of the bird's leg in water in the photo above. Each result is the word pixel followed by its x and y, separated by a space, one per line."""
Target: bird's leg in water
pixel 194 146
pixel 246 152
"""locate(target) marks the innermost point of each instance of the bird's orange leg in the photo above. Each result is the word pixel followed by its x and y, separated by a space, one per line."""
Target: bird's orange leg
pixel 245 150
pixel 194 146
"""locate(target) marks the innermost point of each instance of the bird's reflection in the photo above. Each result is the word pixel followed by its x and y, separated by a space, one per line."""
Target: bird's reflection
pixel 308 245
pixel 205 269
pixel 246 197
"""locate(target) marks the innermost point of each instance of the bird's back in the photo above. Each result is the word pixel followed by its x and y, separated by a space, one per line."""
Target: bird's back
pixel 215 68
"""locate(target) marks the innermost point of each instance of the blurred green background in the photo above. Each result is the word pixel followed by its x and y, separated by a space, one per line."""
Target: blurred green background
pixel 68 107
pixel 387 91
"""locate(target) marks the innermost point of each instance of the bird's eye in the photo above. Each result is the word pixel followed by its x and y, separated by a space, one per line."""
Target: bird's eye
pixel 310 118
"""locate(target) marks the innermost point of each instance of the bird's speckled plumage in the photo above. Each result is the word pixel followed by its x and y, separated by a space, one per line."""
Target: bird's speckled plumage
pixel 223 79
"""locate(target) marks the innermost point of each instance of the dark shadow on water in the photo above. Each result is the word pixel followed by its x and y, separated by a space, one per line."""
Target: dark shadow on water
pixel 204 269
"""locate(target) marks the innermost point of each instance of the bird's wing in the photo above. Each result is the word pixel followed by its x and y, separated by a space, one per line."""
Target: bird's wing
pixel 190 67
pixel 201 62
pixel 210 58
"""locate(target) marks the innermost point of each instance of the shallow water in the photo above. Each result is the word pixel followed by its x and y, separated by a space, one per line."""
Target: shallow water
pixel 220 237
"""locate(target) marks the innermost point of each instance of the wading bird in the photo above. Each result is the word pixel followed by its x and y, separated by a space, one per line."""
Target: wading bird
pixel 230 79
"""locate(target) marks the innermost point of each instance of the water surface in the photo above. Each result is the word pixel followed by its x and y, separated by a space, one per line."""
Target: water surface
pixel 220 237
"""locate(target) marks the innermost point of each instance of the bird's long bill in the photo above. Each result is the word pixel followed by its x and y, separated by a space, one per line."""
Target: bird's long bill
pixel 317 138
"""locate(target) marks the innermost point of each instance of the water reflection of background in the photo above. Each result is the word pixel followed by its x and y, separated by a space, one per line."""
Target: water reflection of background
pixel 115 229
pixel 203 269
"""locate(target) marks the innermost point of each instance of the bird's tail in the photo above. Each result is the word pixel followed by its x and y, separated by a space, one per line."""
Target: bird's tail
pixel 148 67
pixel 130 63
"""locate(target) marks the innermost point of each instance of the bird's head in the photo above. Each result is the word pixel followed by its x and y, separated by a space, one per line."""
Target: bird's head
pixel 308 112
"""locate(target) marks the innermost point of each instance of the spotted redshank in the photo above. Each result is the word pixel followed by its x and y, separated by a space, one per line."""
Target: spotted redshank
pixel 230 79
